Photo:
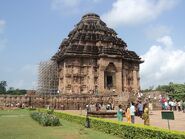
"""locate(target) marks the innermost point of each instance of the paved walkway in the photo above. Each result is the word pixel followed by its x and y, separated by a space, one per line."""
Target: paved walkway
pixel 155 119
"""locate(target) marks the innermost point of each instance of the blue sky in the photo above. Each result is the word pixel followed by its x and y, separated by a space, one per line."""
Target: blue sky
pixel 31 31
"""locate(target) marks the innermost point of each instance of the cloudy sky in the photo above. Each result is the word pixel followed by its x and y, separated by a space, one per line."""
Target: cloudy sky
pixel 31 31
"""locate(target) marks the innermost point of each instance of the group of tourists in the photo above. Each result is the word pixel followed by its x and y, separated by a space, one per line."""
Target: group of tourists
pixel 141 109
pixel 132 110
pixel 172 104
pixel 99 106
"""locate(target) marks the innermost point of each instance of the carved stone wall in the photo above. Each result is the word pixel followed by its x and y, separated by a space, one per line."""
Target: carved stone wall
pixel 94 59
pixel 65 101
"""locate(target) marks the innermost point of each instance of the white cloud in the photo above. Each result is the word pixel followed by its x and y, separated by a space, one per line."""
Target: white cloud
pixel 2 25
pixel 23 84
pixel 25 77
pixel 163 65
pixel 3 40
pixel 17 84
pixel 136 11
pixel 97 1
pixel 65 3
pixel 31 69
pixel 71 6
pixel 157 31
pixel 166 40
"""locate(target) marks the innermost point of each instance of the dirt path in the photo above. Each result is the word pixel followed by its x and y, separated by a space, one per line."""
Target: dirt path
pixel 155 119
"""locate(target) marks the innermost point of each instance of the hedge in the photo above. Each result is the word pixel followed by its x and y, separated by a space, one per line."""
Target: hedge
pixel 45 119
pixel 123 130
pixel 31 109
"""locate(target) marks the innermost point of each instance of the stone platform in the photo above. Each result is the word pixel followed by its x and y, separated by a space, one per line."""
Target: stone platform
pixel 103 114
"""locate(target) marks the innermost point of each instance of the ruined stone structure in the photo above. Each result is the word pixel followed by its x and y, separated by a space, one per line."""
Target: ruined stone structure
pixel 93 59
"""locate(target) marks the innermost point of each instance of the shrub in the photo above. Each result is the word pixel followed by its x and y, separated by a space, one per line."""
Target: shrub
pixel 45 119
pixel 124 130
pixel 31 109
pixel 50 111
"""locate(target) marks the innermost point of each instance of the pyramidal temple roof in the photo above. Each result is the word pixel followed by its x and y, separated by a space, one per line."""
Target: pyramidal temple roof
pixel 92 38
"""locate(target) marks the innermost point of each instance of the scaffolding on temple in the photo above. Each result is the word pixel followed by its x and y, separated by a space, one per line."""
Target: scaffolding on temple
pixel 47 78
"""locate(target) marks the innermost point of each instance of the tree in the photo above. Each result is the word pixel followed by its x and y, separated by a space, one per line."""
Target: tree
pixel 174 90
pixel 12 91
pixel 3 85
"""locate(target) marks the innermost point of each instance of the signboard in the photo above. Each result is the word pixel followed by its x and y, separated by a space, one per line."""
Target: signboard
pixel 168 115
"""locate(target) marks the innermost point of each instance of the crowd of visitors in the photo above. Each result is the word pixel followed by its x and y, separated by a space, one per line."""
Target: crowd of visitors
pixel 139 109
pixel 172 104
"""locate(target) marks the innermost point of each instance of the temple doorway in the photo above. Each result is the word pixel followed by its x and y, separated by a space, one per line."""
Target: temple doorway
pixel 109 77
pixel 109 81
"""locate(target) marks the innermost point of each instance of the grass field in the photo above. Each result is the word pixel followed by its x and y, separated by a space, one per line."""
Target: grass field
pixel 17 124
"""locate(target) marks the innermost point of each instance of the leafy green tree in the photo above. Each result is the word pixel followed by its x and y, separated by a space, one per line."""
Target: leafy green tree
pixel 174 90
pixel 12 91
pixel 3 85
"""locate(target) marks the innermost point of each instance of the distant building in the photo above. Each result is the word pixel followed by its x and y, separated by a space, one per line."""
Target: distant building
pixel 93 59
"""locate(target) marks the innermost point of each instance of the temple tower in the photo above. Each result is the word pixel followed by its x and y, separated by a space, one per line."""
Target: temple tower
pixel 93 59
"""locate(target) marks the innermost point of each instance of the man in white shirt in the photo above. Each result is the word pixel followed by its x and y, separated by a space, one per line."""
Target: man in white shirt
pixel 170 104
pixel 132 112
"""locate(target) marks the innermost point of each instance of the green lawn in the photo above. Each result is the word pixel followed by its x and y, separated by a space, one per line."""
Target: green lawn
pixel 17 124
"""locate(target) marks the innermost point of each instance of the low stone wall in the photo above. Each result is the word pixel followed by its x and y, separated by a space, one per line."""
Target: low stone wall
pixel 105 114
pixel 65 101
pixel 75 101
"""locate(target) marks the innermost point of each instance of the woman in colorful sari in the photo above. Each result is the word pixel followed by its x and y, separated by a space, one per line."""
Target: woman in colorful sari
pixel 127 114
pixel 120 113
pixel 145 115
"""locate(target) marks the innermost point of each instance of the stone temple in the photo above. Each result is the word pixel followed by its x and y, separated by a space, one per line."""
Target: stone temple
pixel 93 59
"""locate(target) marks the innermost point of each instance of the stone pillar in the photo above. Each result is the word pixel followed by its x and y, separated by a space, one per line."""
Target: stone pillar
pixel 138 80
pixel 124 79
pixel 61 79
pixel 125 70
pixel 102 65
pixel 135 80
pixel 136 84
pixel 101 80
pixel 91 78
pixel 119 84
pixel 64 77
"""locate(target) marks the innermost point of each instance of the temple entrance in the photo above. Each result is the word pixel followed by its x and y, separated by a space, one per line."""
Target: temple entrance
pixel 109 76
pixel 109 81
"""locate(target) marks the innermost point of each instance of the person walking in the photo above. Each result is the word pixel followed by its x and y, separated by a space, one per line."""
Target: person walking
pixel 127 114
pixel 145 115
pixel 179 105
pixel 132 112
pixel 120 113
pixel 183 106
pixel 140 109
pixel 170 104
pixel 175 105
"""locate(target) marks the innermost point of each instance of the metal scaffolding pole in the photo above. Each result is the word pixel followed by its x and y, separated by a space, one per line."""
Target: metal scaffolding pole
pixel 47 78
